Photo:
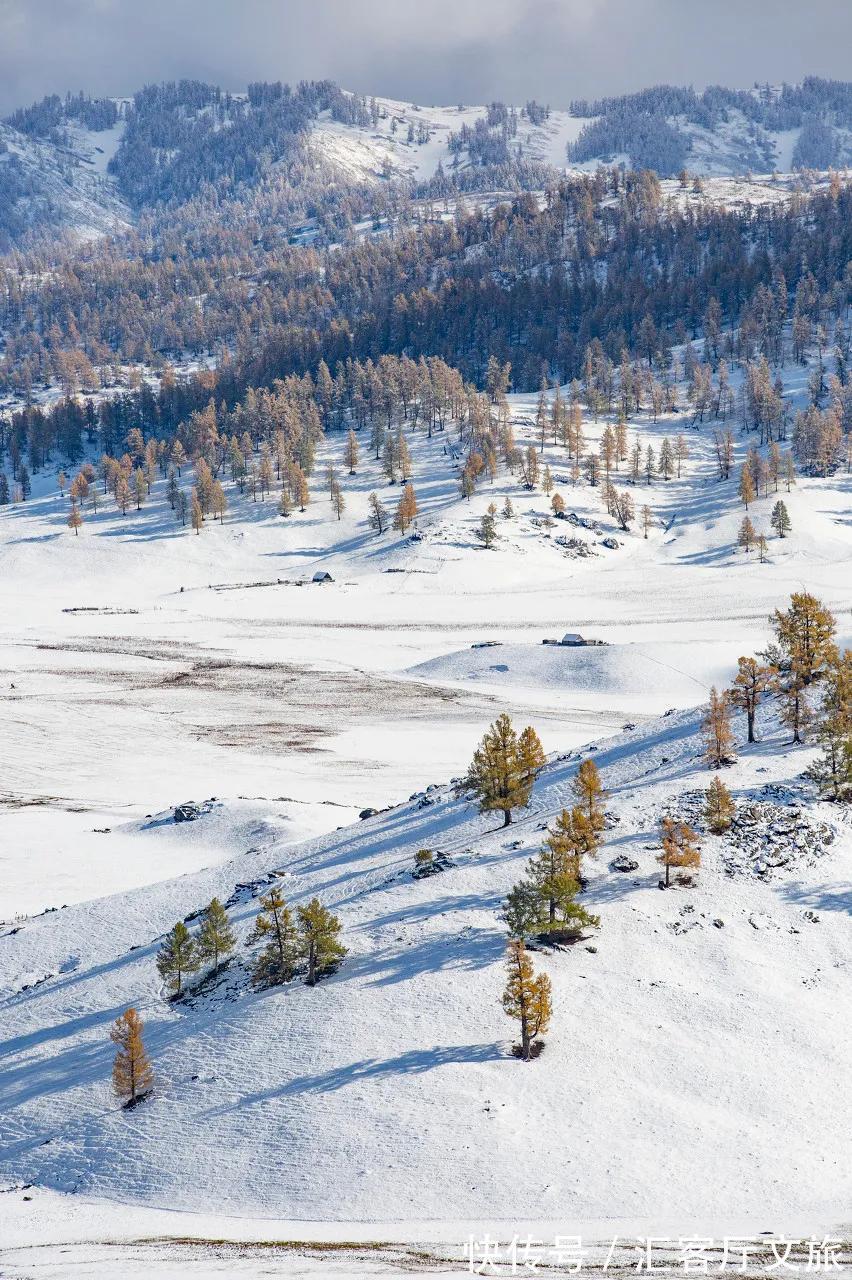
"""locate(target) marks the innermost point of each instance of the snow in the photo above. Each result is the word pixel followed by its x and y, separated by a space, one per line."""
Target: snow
pixel 694 1074
pixel 385 1083
pixel 70 182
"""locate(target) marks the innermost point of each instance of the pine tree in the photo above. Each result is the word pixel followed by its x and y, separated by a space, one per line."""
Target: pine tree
pixel 216 937
pixel 716 729
pixel 526 998
pixel 679 846
pixel 780 519
pixel 588 789
pixel 177 957
pixel 318 931
pixel 719 808
pixel 498 776
pixel 762 548
pixel 132 1073
pixel 74 520
pixel 337 500
pixel 545 901
pixel 752 681
pixel 274 926
pixel 487 531
pixel 285 505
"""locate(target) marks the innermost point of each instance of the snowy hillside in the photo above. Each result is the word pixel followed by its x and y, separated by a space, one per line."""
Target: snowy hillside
pixel 57 177
pixel 63 186
pixel 383 1084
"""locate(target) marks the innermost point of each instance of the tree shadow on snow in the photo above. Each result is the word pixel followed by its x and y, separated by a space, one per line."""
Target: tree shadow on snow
pixel 825 897
pixel 413 1062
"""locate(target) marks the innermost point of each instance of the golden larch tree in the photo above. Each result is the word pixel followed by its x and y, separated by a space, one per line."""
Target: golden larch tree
pixel 132 1072
pixel 526 998
pixel 680 847
pixel 719 808
pixel 716 730
pixel 502 772
pixel 589 790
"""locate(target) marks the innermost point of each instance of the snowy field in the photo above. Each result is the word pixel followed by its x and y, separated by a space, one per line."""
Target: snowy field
pixel 142 666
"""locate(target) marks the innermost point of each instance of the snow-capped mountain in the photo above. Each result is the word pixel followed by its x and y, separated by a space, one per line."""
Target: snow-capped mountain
pixel 55 169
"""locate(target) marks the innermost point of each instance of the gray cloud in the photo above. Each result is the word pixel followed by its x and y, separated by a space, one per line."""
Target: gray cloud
pixel 428 51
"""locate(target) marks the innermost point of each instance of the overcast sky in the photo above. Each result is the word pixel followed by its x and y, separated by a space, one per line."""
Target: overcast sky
pixel 426 51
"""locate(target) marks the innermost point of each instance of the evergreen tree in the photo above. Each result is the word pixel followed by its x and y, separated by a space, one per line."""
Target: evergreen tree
pixel 132 1073
pixel 719 808
pixel 318 932
pixel 780 519
pixel 216 937
pixel 545 901
pixel 177 957
pixel 487 531
pixel 274 926
pixel 679 846
pixel 526 998
pixel 716 730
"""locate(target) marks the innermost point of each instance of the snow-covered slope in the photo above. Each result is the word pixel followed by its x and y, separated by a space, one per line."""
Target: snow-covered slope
pixel 65 187
pixel 387 150
pixel 389 1088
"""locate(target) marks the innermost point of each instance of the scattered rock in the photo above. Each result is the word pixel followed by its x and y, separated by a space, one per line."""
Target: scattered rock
pixel 187 812
pixel 367 813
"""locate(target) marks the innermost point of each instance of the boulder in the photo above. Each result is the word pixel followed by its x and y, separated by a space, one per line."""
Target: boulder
pixel 623 863
pixel 187 812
